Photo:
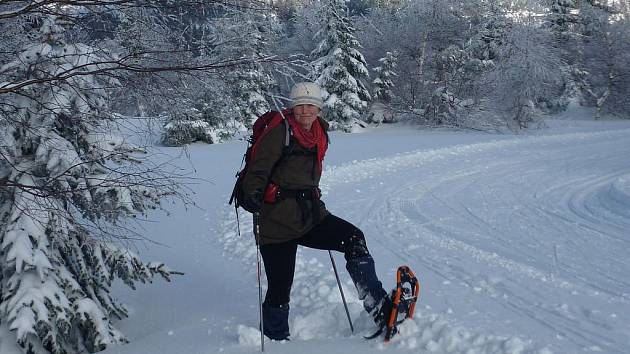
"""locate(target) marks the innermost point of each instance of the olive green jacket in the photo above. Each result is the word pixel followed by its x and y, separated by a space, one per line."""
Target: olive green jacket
pixel 282 221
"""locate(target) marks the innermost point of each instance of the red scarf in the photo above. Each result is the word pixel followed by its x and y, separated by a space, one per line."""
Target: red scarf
pixel 308 139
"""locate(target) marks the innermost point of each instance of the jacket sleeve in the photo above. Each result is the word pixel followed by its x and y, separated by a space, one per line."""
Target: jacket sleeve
pixel 260 167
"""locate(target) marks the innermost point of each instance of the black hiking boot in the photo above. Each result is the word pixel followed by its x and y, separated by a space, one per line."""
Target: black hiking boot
pixel 276 321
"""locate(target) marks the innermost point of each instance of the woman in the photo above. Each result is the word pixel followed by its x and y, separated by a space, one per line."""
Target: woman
pixel 282 184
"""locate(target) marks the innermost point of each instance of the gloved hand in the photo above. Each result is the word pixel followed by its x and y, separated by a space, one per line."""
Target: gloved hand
pixel 252 202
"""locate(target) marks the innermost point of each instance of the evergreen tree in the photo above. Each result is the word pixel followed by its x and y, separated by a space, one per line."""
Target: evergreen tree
pixel 462 69
pixel 486 44
pixel 601 66
pixel 563 17
pixel 442 109
pixel 246 36
pixel 465 70
pixel 67 184
pixel 383 82
pixel 563 22
pixel 208 115
pixel 340 68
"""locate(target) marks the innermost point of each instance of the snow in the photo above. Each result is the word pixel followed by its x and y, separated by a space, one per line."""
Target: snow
pixel 519 241
pixel 89 311
pixel 7 345
pixel 620 192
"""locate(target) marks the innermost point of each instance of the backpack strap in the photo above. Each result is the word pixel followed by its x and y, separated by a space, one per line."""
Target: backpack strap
pixel 263 126
pixel 288 132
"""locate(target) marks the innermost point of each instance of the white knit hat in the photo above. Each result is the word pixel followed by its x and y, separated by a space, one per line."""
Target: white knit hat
pixel 306 93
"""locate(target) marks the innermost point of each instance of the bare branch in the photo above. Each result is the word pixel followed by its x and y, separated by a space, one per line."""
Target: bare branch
pixel 96 68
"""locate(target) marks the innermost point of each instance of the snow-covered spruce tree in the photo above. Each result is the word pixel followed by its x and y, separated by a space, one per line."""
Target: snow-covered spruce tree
pixel 486 44
pixel 563 22
pixel 620 97
pixel 207 116
pixel 380 109
pixel 301 29
pixel 384 73
pixel 601 70
pixel 186 125
pixel 340 68
pixel 482 51
pixel 442 109
pixel 563 17
pixel 66 186
pixel 245 35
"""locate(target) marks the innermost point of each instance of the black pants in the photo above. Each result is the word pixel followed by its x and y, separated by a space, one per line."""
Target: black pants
pixel 332 233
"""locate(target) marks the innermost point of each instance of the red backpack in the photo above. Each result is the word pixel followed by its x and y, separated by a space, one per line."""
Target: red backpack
pixel 263 125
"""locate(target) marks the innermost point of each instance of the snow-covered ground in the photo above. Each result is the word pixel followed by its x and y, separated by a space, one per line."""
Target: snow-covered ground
pixel 520 242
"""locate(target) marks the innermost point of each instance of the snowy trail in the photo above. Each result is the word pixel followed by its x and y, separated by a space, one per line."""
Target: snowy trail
pixel 522 237
pixel 529 212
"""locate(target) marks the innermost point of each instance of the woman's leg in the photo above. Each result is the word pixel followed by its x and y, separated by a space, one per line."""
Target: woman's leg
pixel 334 233
pixel 279 260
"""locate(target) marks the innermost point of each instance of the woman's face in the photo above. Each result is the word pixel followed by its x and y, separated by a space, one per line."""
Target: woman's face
pixel 305 114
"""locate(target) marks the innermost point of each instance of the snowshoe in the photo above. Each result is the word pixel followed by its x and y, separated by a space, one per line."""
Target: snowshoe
pixel 402 301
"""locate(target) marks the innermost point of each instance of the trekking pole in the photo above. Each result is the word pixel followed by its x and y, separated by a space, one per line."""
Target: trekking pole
pixel 260 311
pixel 343 298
